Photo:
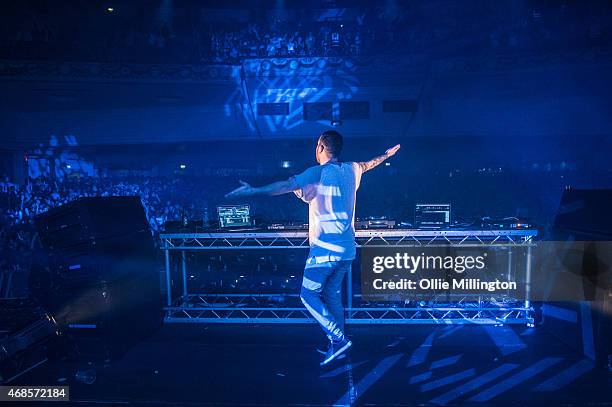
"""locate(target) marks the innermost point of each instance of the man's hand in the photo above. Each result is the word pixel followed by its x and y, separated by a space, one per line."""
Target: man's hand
pixel 376 161
pixel 244 190
pixel 391 152
pixel 275 188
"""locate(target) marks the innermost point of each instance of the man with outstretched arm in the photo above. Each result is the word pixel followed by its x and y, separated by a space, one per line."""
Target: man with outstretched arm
pixel 330 190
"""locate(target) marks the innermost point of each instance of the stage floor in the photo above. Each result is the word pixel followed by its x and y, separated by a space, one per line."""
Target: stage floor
pixel 399 365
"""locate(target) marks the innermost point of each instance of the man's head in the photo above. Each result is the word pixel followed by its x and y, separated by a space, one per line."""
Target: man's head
pixel 329 146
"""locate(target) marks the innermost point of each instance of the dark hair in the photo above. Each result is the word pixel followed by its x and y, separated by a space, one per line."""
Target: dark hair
pixel 332 141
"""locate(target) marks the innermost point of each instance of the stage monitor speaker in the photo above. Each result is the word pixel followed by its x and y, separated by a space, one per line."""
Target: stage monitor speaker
pixel 86 219
pixel 585 215
pixel 101 277
pixel 95 239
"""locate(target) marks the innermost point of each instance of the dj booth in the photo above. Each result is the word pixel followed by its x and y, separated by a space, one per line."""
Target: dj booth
pixel 184 304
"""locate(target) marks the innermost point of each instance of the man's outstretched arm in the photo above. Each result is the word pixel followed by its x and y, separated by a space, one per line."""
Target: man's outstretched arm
pixel 376 161
pixel 275 188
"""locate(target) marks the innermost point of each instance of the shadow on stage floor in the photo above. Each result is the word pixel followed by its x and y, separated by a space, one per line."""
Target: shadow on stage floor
pixel 400 365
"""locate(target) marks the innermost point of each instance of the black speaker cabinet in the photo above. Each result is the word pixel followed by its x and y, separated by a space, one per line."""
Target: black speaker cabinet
pixel 585 215
pixel 101 279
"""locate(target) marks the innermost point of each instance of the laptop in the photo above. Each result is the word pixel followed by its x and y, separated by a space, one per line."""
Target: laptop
pixel 235 217
pixel 432 216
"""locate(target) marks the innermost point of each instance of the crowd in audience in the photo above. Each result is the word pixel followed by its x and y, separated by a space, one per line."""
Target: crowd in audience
pixel 188 37
pixel 406 33
pixel 161 197
pixel 256 41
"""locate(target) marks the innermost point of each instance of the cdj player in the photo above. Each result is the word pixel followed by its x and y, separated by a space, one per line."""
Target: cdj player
pixel 375 222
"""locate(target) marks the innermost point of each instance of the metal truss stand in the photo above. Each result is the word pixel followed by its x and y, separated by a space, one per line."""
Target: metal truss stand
pixel 251 308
